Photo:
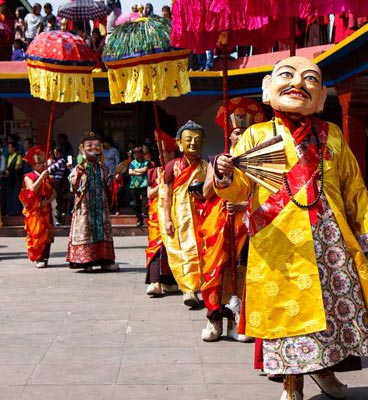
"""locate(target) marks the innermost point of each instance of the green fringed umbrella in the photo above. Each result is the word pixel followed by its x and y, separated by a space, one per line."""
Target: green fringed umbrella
pixel 143 66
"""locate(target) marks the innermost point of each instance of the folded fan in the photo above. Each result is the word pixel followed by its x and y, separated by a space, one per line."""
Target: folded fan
pixel 265 164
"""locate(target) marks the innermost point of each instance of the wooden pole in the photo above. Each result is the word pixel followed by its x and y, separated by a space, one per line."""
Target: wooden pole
pixel 158 135
pixel 49 130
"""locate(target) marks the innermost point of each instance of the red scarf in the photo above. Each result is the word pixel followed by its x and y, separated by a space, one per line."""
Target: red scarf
pixel 298 132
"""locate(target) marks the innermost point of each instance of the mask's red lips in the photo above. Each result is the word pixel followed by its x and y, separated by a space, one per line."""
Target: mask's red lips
pixel 295 93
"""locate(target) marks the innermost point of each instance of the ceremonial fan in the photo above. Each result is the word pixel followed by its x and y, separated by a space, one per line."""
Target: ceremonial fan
pixel 265 164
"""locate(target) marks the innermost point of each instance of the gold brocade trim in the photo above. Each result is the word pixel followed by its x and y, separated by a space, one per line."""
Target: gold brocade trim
pixel 149 82
pixel 73 69
pixel 61 87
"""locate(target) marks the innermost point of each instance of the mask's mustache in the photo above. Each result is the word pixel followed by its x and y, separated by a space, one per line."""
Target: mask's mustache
pixel 293 88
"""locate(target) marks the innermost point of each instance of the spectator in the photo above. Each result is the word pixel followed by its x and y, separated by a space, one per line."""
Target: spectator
pixel 51 24
pixel 205 61
pixel 33 23
pixel 18 50
pixel 65 145
pixel 139 183
pixel 83 34
pixel 111 18
pixel 19 24
pixel 97 45
pixel 166 12
pixel 148 10
pixel 49 16
pixel 58 170
pixel 2 171
pixel 7 34
pixel 13 180
pixel 27 144
pixel 111 156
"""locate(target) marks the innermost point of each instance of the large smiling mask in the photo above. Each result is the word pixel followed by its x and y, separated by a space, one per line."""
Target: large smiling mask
pixel 295 86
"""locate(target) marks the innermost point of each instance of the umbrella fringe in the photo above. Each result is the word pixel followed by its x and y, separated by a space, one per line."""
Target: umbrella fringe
pixel 137 38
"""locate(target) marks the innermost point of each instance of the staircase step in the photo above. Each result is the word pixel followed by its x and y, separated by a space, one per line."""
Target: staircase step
pixel 63 230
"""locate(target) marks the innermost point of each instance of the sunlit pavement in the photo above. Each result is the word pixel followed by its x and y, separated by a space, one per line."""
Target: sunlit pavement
pixel 69 335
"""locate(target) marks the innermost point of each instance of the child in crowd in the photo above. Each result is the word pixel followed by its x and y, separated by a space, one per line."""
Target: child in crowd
pixel 18 50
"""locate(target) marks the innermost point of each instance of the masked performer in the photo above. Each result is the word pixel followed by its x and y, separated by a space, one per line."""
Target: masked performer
pixel 223 235
pixel 159 275
pixel 307 277
pixel 183 177
pixel 90 239
pixel 36 196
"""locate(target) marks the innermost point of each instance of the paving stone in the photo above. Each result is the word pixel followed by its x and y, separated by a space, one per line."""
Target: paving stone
pixel 70 335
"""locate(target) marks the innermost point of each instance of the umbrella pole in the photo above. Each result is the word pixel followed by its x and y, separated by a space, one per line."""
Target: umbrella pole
pixel 225 96
pixel 158 135
pixel 49 131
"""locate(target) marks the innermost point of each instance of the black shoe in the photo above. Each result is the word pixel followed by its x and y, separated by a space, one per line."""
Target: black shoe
pixel 139 223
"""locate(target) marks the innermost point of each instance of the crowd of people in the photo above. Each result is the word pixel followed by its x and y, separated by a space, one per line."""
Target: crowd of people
pixel 20 27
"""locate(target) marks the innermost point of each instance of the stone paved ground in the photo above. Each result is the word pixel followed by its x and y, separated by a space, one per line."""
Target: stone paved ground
pixel 67 335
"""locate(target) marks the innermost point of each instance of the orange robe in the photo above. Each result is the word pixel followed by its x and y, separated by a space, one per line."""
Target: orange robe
pixel 37 220
pixel 216 236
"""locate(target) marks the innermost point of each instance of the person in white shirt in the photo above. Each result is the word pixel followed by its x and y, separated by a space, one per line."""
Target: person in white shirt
pixel 33 23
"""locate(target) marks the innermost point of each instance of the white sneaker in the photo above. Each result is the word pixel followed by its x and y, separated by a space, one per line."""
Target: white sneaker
pixel 169 288
pixel 330 385
pixel 110 267
pixel 40 264
pixel 297 396
pixel 154 289
pixel 190 299
pixel 212 331
pixel 232 332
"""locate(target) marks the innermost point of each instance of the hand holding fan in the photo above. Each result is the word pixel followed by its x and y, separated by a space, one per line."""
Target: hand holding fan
pixel 265 164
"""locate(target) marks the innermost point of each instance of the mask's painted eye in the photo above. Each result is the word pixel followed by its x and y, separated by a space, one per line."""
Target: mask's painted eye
pixel 286 74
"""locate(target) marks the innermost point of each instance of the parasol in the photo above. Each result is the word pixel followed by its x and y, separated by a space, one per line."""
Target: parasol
pixel 60 68
pixel 143 66
pixel 82 10
pixel 121 19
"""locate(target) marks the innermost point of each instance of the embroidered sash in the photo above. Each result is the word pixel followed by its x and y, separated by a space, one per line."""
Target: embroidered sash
pixel 303 174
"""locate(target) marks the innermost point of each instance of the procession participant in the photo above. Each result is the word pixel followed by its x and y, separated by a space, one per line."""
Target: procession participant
pixel 183 176
pixel 159 275
pixel 36 196
pixel 90 238
pixel 223 234
pixel 307 282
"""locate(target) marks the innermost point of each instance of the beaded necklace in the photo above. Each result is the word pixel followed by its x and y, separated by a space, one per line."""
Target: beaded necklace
pixel 320 177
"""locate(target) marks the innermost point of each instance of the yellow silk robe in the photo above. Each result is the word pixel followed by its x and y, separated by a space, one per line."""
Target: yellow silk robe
pixel 284 295
pixel 182 249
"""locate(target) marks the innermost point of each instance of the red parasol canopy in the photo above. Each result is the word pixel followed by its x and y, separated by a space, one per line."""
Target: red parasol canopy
pixel 60 69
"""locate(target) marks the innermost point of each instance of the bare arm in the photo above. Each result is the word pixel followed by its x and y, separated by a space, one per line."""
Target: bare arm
pixel 35 186
pixel 208 190
pixel 152 192
pixel 167 208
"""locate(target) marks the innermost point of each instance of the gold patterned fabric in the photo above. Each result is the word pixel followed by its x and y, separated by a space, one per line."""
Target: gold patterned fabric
pixel 182 249
pixel 62 87
pixel 284 295
pixel 149 78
